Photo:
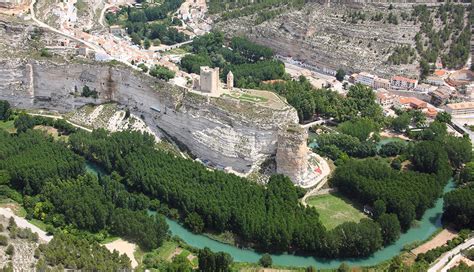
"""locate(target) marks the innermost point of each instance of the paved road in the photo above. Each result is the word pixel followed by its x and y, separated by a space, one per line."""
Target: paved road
pixel 447 256
pixel 22 223
pixel 102 14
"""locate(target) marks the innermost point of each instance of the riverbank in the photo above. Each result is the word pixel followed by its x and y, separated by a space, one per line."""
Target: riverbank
pixel 428 225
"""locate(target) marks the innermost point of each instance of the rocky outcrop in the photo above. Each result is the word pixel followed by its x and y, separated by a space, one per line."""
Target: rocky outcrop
pixel 326 38
pixel 292 153
pixel 226 131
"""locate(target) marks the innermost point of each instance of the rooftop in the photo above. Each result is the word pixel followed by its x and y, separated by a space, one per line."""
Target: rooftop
pixel 440 73
pixel 400 78
pixel 460 106
pixel 366 74
pixel 412 101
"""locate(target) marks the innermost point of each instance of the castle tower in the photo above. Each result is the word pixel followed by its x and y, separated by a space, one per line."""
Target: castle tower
pixel 230 80
pixel 209 80
pixel 292 152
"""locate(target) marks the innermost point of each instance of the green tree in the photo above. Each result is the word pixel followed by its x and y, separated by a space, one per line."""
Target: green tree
pixel 340 74
pixel 459 150
pixel 179 264
pixel 5 110
pixel 265 260
pixel 194 222
pixel 443 117
pixel 10 250
pixel 379 208
pixel 162 72
pixel 146 44
pixel 390 227
pixel 136 39
pixel 401 122
pixel 3 240
pixel 467 173
pixel 344 268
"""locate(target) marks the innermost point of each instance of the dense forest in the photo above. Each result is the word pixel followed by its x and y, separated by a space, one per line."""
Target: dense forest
pixel 54 188
pixel 459 203
pixel 250 63
pixel 69 251
pixel 141 178
pixel 268 218
pixel 150 23
pixel 311 103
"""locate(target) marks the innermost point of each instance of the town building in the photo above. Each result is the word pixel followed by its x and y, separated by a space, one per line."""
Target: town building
pixel 365 79
pixel 383 98
pixel 441 73
pixel 463 108
pixel 410 103
pixel 116 30
pixel 403 83
pixel 431 113
pixel 435 80
pixel 209 80
pixel 425 88
pixel 381 83
pixel 440 96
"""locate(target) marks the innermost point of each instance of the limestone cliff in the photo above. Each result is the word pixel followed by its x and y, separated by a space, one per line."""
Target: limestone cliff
pixel 224 130
pixel 292 153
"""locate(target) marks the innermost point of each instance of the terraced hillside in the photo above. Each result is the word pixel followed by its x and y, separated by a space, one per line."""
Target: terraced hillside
pixel 355 37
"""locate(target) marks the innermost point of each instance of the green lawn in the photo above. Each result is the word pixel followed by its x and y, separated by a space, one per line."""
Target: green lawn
pixel 40 224
pixel 335 209
pixel 166 249
pixel 8 126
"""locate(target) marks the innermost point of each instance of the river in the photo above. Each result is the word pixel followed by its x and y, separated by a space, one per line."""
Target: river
pixel 428 224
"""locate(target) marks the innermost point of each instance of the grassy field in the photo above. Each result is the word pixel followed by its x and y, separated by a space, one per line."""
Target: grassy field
pixel 8 126
pixel 168 250
pixel 40 224
pixel 334 210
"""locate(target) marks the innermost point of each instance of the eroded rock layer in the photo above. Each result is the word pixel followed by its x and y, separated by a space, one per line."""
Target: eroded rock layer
pixel 223 130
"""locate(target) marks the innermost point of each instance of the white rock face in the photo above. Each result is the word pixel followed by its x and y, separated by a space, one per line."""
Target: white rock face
pixel 223 130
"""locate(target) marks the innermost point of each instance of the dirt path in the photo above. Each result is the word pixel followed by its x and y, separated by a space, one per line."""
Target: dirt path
pixel 23 223
pixel 440 239
pixel 60 117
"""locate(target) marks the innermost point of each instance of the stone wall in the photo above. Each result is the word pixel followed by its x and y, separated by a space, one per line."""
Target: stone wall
pixel 225 131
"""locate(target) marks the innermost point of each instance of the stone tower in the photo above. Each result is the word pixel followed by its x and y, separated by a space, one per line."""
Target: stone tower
pixel 230 80
pixel 209 80
pixel 292 153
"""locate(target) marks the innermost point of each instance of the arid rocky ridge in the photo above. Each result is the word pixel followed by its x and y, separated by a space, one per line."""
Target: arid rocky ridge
pixel 223 130
pixel 323 36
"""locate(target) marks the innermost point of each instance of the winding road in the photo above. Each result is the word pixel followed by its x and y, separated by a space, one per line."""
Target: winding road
pixel 449 255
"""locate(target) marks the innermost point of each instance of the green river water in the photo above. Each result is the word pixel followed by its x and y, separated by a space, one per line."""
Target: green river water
pixel 429 223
